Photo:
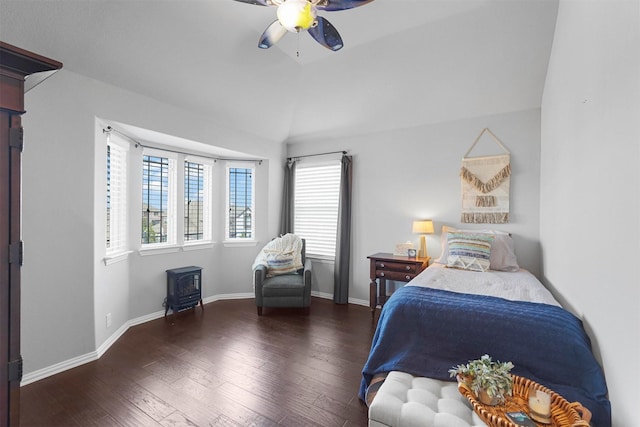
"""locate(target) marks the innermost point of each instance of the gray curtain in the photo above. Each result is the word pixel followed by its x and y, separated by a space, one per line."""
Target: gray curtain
pixel 343 238
pixel 286 222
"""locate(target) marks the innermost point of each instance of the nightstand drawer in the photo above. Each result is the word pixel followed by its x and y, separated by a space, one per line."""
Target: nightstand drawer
pixel 395 275
pixel 396 266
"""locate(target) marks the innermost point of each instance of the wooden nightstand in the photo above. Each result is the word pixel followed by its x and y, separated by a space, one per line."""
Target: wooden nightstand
pixel 392 267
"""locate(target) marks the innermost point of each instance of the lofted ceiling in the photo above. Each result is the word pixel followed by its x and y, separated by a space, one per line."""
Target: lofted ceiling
pixel 405 62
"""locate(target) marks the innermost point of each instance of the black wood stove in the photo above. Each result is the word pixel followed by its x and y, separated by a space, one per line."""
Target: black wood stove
pixel 184 289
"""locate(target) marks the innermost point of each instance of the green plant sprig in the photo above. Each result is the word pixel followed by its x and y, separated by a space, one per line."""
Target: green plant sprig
pixel 485 374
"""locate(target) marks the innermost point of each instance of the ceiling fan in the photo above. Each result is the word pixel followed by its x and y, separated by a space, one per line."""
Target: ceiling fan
pixel 299 15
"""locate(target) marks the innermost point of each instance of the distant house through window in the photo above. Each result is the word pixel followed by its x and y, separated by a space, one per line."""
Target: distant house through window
pixel 197 201
pixel 157 207
pixel 240 202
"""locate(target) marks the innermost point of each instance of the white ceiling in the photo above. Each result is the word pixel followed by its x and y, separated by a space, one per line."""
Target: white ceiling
pixel 405 62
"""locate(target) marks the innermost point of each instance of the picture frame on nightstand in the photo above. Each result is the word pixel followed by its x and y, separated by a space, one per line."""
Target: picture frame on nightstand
pixel 401 248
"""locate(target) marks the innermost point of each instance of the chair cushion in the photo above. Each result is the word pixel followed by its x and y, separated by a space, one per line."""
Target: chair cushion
pixel 283 285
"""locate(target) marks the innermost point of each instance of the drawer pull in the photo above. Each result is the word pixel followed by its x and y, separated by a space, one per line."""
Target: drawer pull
pixel 408 277
pixel 382 265
pixel 408 267
pixel 382 274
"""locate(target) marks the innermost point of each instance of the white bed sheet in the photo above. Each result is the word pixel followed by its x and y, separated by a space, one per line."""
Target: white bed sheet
pixel 515 286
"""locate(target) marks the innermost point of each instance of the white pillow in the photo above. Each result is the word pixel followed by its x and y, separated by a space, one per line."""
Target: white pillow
pixel 503 256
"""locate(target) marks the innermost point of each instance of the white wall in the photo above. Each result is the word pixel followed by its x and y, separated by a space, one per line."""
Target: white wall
pixel 66 288
pixel 413 173
pixel 589 182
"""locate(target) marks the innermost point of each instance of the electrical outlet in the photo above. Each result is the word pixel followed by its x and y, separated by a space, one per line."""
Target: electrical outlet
pixel 108 320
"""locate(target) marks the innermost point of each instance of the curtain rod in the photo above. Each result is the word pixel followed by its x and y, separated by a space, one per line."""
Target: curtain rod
pixel 109 129
pixel 319 154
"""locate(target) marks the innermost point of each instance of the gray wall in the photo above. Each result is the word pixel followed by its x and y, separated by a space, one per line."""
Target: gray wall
pixel 590 182
pixel 67 290
pixel 413 173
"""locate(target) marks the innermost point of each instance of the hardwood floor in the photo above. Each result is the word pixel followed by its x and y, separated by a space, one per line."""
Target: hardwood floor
pixel 225 367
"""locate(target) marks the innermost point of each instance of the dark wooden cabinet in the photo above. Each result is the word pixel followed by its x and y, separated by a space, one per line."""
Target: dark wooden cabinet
pixel 15 66
pixel 386 266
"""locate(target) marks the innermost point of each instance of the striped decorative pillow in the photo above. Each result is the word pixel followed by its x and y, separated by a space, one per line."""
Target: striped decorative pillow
pixel 469 251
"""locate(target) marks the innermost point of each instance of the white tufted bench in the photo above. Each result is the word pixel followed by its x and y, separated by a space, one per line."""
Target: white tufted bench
pixel 408 401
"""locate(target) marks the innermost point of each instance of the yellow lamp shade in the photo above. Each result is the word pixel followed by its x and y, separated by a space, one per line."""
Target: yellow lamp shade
pixel 423 227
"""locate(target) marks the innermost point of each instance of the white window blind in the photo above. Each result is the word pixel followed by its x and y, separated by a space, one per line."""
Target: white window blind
pixel 317 190
pixel 117 225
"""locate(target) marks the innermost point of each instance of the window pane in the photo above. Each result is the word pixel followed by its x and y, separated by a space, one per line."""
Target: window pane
pixel 155 199
pixel 317 190
pixel 240 208
pixel 194 184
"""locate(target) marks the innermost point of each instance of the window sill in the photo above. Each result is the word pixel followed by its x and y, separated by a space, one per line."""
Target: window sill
pixel 198 246
pixel 158 250
pixel 240 243
pixel 112 259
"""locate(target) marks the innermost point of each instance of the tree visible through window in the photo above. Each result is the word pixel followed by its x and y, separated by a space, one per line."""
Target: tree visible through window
pixel 240 202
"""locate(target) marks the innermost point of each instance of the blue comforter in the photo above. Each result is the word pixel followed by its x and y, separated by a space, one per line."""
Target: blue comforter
pixel 426 331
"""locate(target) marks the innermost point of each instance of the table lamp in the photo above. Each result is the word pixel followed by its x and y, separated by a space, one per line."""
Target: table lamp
pixel 423 227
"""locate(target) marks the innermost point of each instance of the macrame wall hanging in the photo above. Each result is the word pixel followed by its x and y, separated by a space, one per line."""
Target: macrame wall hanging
pixel 485 186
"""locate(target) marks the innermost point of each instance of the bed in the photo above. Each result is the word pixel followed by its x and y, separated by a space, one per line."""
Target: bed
pixel 447 316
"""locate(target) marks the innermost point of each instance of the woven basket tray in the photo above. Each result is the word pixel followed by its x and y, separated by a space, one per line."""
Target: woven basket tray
pixel 563 413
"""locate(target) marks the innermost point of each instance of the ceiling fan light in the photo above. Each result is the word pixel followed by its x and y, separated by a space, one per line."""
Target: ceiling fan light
pixel 297 15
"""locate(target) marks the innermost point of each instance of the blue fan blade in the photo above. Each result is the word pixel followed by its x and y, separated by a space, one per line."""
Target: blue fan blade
pixel 326 34
pixel 271 35
pixel 333 5
pixel 258 2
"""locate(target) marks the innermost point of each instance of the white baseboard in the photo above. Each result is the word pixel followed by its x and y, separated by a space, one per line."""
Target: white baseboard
pixel 322 295
pixel 330 296
pixel 359 302
pixel 214 298
pixel 58 367
pixel 43 373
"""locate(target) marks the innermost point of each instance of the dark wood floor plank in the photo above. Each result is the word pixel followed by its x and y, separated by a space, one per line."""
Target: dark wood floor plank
pixel 296 420
pixel 178 419
pixel 147 402
pixel 346 410
pixel 189 398
pixel 119 407
pixel 224 367
pixel 205 404
pixel 84 411
pixel 37 403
